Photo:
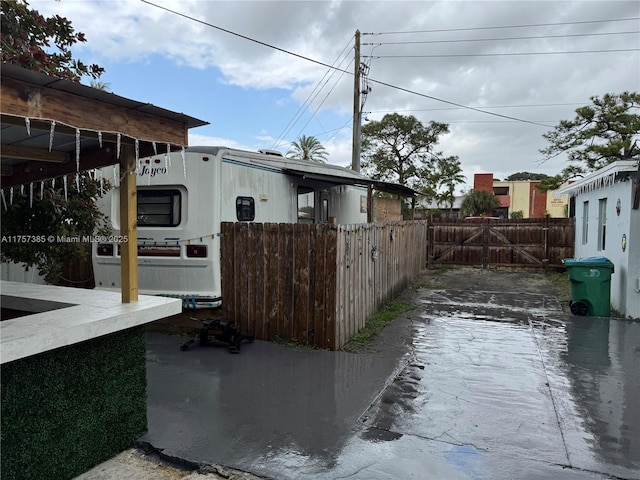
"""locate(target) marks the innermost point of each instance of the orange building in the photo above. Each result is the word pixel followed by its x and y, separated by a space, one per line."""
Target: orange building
pixel 521 196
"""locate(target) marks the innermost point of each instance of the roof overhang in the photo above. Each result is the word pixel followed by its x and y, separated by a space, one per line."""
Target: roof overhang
pixel 606 176
pixel 53 127
pixel 359 180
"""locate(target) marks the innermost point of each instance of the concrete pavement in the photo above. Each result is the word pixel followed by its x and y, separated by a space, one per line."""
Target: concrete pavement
pixel 485 377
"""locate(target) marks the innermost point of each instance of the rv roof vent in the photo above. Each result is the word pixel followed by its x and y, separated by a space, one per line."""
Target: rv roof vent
pixel 275 153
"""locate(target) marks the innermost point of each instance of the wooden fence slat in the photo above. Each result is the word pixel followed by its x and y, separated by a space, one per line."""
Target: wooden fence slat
pixel 287 258
pixel 319 303
pixel 330 289
pixel 318 284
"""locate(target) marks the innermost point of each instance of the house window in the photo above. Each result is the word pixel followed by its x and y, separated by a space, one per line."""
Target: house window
pixel 602 223
pixel 159 208
pixel 245 209
pixel 585 222
pixel 306 206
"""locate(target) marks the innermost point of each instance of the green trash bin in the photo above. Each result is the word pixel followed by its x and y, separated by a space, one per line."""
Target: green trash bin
pixel 590 285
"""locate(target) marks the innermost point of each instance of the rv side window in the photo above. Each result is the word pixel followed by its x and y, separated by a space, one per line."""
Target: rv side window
pixel 306 208
pixel 245 209
pixel 159 208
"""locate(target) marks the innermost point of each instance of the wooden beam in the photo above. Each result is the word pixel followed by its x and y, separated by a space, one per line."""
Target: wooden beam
pixel 128 227
pixel 30 153
pixel 33 101
pixel 35 171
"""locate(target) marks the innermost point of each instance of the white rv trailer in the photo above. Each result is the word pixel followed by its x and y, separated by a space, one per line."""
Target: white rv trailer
pixel 183 199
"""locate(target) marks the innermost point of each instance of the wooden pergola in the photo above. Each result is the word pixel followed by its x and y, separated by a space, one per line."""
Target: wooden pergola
pixel 53 127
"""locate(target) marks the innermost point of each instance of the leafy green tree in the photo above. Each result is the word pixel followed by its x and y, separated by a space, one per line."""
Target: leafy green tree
pixel 524 176
pixel 307 148
pixel 56 214
pixel 399 148
pixel 449 175
pixel 26 39
pixel 601 133
pixel 478 203
pixel 43 44
pixel 552 183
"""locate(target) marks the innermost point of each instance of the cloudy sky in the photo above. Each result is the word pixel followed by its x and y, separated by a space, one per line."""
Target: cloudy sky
pixel 534 62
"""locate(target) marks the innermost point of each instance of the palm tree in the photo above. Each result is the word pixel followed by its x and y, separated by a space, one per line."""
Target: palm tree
pixel 100 85
pixel 307 148
pixel 479 203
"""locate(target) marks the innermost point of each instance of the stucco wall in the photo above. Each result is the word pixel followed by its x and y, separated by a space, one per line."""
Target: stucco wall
pixel 625 297
pixel 557 204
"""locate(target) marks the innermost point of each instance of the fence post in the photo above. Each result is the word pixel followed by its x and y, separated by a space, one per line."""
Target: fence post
pixel 485 245
pixel 430 241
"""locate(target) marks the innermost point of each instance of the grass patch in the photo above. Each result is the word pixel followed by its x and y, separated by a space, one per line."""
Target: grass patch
pixel 293 344
pixel 359 341
pixel 560 281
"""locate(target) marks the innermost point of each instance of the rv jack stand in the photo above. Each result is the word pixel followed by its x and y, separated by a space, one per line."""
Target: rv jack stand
pixel 218 329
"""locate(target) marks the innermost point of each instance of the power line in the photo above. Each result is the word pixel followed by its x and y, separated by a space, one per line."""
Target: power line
pixel 297 55
pixel 502 26
pixel 424 95
pixel 311 97
pixel 515 54
pixel 485 107
pixel 532 37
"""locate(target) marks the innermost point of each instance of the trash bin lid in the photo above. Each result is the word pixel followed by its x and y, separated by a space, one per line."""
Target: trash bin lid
pixel 588 262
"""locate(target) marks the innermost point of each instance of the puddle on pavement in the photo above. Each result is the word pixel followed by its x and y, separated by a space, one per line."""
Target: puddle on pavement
pixel 602 361
pixel 572 385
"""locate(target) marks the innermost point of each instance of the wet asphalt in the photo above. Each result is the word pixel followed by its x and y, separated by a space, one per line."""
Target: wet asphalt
pixel 484 378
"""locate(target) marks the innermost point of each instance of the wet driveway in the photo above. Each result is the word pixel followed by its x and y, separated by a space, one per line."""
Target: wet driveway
pixel 482 383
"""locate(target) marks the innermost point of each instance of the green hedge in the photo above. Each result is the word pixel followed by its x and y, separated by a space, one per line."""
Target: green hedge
pixel 65 411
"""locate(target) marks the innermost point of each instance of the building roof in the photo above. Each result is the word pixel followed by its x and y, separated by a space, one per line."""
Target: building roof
pixel 607 175
pixel 327 172
pixel 439 205
pixel 53 126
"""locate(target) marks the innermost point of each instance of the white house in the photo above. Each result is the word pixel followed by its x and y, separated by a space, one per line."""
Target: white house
pixel 606 206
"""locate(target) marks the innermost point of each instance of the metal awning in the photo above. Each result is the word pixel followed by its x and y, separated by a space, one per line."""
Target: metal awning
pixel 356 179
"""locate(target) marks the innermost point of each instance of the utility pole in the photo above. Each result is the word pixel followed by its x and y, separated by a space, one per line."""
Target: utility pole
pixel 357 121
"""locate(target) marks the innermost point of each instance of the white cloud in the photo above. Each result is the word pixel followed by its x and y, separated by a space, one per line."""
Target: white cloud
pixel 136 32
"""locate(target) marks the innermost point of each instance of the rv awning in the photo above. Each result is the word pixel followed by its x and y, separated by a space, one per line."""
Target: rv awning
pixel 387 187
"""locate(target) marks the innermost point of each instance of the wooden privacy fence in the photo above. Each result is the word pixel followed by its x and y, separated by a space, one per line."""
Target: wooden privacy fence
pixel 315 284
pixel 536 243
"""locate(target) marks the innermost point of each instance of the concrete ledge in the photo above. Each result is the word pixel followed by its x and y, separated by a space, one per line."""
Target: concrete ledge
pixel 91 314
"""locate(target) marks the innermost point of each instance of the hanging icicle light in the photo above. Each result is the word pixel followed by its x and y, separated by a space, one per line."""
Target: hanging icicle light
pixel 184 162
pixel 64 184
pixel 100 139
pixel 137 143
pixel 11 196
pixel 155 151
pixel 118 142
pixel 41 190
pixel 51 133
pixel 167 158
pixel 4 201
pixel 77 150
pixel 27 123
pixel 31 195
